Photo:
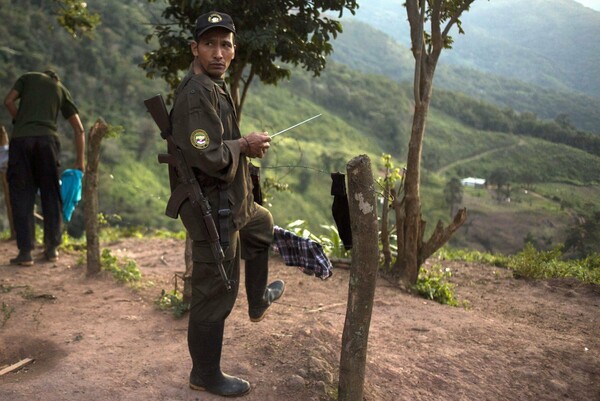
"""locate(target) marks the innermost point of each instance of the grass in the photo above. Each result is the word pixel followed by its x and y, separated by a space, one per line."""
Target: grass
pixel 582 199
pixel 447 253
pixel 527 215
pixel 536 159
pixel 533 264
pixel 5 313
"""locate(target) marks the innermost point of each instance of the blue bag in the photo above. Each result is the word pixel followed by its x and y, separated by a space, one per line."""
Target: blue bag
pixel 70 191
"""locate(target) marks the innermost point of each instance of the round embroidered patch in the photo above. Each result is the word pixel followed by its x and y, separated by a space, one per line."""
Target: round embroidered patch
pixel 200 139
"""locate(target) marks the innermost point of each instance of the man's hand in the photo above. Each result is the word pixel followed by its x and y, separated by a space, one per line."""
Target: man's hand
pixel 255 144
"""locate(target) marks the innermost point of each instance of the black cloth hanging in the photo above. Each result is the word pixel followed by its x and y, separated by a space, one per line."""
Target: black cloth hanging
pixel 340 208
pixel 256 190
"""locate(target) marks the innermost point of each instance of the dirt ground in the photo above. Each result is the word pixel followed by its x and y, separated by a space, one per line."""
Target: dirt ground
pixel 95 339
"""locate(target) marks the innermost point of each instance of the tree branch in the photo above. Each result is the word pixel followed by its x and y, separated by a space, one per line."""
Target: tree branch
pixel 247 83
pixel 461 9
pixel 441 235
pixel 436 36
pixel 417 22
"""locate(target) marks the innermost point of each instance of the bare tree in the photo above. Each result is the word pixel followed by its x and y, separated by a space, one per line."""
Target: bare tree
pixel 90 196
pixel 441 15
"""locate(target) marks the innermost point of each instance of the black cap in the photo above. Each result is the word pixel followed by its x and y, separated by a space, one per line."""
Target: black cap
pixel 52 74
pixel 213 19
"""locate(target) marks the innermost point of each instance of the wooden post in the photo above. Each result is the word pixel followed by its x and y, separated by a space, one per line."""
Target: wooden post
pixel 363 275
pixel 90 196
pixel 11 224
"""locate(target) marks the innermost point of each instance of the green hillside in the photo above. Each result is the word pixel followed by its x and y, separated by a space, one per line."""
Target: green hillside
pixel 361 43
pixel 533 159
pixel 553 42
pixel 451 148
pixel 361 114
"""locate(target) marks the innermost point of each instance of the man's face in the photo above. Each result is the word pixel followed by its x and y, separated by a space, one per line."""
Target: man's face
pixel 213 52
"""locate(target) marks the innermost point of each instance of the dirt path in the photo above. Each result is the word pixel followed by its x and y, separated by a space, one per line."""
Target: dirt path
pixel 94 339
pixel 478 156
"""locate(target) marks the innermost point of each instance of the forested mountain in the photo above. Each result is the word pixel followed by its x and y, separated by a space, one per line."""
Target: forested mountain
pixel 549 43
pixel 362 113
pixel 490 61
pixel 102 74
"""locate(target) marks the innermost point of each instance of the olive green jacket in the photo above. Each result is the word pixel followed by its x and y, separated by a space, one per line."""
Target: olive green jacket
pixel 205 128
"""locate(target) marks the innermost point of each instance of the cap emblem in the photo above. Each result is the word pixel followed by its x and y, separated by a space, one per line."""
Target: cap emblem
pixel 214 18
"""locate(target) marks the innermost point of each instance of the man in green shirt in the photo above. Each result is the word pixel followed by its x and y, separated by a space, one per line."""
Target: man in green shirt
pixel 33 158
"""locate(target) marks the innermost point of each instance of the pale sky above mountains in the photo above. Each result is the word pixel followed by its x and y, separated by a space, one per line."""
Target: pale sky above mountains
pixel 593 4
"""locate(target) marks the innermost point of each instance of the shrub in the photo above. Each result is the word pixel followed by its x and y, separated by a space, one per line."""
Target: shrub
pixel 433 284
pixel 125 272
pixel 535 264
pixel 172 300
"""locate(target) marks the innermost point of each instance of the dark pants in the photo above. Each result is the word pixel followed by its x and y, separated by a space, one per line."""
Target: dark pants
pixel 33 164
pixel 211 302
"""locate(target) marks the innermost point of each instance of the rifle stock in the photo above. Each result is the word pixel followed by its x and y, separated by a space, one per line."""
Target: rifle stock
pixel 158 110
pixel 188 187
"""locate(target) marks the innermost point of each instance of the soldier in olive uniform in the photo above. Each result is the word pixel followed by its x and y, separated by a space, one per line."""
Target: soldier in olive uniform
pixel 205 128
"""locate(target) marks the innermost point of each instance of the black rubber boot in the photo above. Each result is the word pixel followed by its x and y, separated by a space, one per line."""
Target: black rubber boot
pixel 23 259
pixel 260 296
pixel 205 341
pixel 256 275
pixel 273 292
pixel 51 254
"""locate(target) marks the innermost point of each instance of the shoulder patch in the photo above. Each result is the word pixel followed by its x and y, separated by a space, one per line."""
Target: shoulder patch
pixel 199 139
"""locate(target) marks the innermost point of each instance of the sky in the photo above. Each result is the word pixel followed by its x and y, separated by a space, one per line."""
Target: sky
pixel 594 4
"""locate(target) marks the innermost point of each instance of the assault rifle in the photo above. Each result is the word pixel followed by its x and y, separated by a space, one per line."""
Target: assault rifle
pixel 188 186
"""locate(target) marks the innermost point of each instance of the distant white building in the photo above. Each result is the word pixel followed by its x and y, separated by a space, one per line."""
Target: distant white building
pixel 473 182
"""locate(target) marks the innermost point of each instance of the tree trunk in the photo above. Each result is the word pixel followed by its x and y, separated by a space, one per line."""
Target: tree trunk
pixel 426 49
pixel 90 196
pixel 363 275
pixel 412 252
pixel 385 234
pixel 408 250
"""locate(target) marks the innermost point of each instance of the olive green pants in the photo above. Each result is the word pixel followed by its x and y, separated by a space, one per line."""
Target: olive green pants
pixel 211 302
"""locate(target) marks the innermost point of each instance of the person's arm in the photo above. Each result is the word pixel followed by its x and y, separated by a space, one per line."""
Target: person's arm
pixel 79 137
pixel 10 102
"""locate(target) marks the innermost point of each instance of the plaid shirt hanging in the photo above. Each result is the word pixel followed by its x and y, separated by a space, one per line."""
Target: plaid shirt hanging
pixel 304 253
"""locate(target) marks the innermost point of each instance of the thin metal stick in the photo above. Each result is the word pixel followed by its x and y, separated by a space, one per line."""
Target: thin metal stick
pixel 294 126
